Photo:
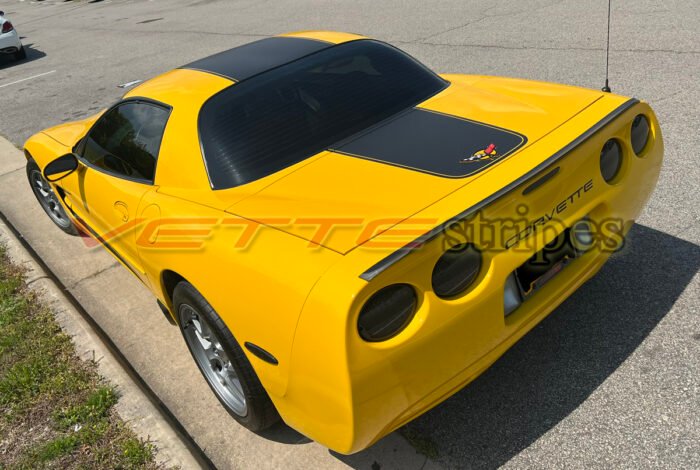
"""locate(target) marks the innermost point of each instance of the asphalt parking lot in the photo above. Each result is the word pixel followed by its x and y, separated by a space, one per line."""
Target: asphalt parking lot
pixel 612 378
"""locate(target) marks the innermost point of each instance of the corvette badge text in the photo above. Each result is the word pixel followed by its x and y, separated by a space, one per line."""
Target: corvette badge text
pixel 556 210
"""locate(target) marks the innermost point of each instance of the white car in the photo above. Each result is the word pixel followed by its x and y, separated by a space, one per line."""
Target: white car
pixel 9 39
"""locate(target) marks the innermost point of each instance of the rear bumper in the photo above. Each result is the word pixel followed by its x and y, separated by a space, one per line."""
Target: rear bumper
pixel 347 394
pixel 515 326
pixel 10 42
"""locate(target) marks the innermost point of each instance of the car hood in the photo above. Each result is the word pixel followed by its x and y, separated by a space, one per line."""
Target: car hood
pixel 347 195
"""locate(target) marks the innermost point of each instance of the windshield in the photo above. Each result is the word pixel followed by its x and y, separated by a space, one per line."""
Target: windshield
pixel 280 117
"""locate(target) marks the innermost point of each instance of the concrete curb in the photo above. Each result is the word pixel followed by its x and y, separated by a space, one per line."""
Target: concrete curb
pixel 134 406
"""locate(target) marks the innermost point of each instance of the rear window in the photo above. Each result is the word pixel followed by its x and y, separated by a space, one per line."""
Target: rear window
pixel 280 117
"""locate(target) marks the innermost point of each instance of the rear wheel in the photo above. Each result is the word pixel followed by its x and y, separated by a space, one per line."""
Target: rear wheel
pixel 222 361
pixel 21 53
pixel 48 199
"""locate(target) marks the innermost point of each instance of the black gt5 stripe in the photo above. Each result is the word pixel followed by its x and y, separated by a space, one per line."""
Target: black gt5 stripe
pixel 256 57
pixel 435 143
pixel 401 253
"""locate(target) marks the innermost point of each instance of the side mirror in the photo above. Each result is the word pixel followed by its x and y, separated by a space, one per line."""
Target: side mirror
pixel 2 13
pixel 60 168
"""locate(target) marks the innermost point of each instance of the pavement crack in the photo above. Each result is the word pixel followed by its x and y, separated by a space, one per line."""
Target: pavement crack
pixel 486 16
pixel 175 32
pixel 32 281
pixel 92 276
pixel 669 96
pixel 425 462
pixel 11 171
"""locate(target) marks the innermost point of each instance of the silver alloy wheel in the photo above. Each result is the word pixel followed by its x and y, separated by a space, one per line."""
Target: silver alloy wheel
pixel 213 359
pixel 48 199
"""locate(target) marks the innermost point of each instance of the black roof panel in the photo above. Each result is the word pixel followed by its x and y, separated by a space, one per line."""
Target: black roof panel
pixel 251 59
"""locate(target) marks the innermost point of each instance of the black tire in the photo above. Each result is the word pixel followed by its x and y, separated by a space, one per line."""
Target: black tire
pixel 59 218
pixel 21 54
pixel 260 413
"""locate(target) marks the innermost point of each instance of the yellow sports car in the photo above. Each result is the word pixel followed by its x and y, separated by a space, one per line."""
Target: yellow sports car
pixel 344 237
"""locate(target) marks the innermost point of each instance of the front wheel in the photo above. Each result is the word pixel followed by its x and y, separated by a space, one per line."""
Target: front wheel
pixel 48 199
pixel 221 360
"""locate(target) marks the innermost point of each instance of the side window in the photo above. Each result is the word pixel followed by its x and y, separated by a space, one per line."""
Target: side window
pixel 126 140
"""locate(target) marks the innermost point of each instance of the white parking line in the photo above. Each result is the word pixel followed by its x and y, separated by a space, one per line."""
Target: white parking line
pixel 25 79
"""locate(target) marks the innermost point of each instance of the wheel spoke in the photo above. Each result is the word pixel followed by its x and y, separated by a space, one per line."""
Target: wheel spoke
pixel 204 342
pixel 219 350
pixel 232 382
pixel 210 351
pixel 39 185
pixel 233 377
pixel 204 330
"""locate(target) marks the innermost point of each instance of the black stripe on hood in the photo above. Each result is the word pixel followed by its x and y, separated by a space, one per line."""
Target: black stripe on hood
pixel 435 143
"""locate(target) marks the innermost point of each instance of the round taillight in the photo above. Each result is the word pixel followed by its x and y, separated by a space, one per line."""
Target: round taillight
pixel 610 160
pixel 456 270
pixel 387 312
pixel 640 133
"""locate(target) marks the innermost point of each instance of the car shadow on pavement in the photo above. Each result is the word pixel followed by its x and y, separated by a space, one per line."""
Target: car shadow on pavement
pixel 553 369
pixel 284 434
pixel 6 60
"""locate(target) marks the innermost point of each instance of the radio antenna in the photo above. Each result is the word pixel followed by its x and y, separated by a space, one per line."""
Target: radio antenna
pixel 606 88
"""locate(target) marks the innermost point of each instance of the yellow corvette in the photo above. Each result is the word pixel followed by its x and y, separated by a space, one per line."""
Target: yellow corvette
pixel 344 237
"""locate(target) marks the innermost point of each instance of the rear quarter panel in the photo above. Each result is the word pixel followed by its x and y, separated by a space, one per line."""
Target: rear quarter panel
pixel 258 284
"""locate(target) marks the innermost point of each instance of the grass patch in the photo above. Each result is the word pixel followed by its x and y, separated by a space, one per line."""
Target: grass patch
pixel 59 447
pixel 55 410
pixel 95 409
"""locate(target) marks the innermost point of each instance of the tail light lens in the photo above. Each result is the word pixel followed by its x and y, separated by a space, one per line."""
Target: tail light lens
pixel 387 312
pixel 610 160
pixel 640 133
pixel 456 270
pixel 7 27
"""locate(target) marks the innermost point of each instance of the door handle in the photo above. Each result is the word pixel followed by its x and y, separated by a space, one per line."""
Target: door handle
pixel 123 210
